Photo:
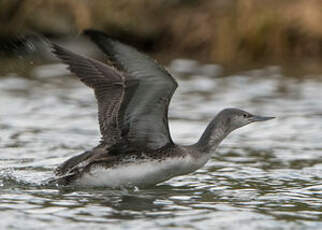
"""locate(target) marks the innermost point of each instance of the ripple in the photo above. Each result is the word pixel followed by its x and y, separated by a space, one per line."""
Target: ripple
pixel 264 176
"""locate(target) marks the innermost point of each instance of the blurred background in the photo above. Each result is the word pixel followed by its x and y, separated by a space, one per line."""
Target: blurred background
pixel 263 56
pixel 229 32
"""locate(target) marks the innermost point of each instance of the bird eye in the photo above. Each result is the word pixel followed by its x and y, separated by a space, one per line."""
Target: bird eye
pixel 245 115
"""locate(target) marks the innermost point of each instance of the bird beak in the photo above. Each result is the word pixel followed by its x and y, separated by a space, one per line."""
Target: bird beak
pixel 260 118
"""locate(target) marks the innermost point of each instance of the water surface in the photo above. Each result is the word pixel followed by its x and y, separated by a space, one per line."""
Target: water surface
pixel 264 176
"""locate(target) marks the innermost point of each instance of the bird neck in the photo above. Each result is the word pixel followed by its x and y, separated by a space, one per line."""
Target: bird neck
pixel 215 132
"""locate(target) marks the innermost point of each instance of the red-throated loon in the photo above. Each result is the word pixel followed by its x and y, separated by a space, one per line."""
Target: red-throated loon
pixel 133 95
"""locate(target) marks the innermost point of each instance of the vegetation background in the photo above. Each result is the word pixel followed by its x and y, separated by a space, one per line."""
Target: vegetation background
pixel 227 32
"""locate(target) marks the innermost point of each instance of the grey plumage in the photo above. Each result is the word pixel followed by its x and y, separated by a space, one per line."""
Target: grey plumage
pixel 133 97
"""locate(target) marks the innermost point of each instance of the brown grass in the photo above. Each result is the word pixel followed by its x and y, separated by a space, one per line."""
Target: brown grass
pixel 252 30
pixel 222 31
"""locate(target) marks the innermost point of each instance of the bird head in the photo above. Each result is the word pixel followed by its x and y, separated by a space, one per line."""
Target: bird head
pixel 235 118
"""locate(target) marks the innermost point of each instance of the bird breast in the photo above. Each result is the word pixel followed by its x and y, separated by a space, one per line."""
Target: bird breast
pixel 140 173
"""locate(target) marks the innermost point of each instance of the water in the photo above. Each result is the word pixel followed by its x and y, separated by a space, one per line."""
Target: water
pixel 263 176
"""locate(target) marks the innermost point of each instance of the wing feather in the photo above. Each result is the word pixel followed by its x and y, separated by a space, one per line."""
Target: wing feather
pixel 108 85
pixel 133 98
pixel 144 111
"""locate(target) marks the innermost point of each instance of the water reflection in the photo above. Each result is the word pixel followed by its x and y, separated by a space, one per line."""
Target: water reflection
pixel 264 176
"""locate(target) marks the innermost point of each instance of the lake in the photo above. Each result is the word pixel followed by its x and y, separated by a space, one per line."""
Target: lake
pixel 264 176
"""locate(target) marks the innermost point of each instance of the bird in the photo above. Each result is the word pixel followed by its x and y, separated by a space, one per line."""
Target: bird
pixel 133 93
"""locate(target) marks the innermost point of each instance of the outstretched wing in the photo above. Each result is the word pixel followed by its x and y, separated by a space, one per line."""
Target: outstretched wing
pixel 136 96
pixel 146 111
pixel 108 85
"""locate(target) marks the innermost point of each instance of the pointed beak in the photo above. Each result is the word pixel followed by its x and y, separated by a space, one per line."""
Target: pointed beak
pixel 260 118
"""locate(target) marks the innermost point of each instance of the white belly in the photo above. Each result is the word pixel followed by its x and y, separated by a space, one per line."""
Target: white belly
pixel 143 173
